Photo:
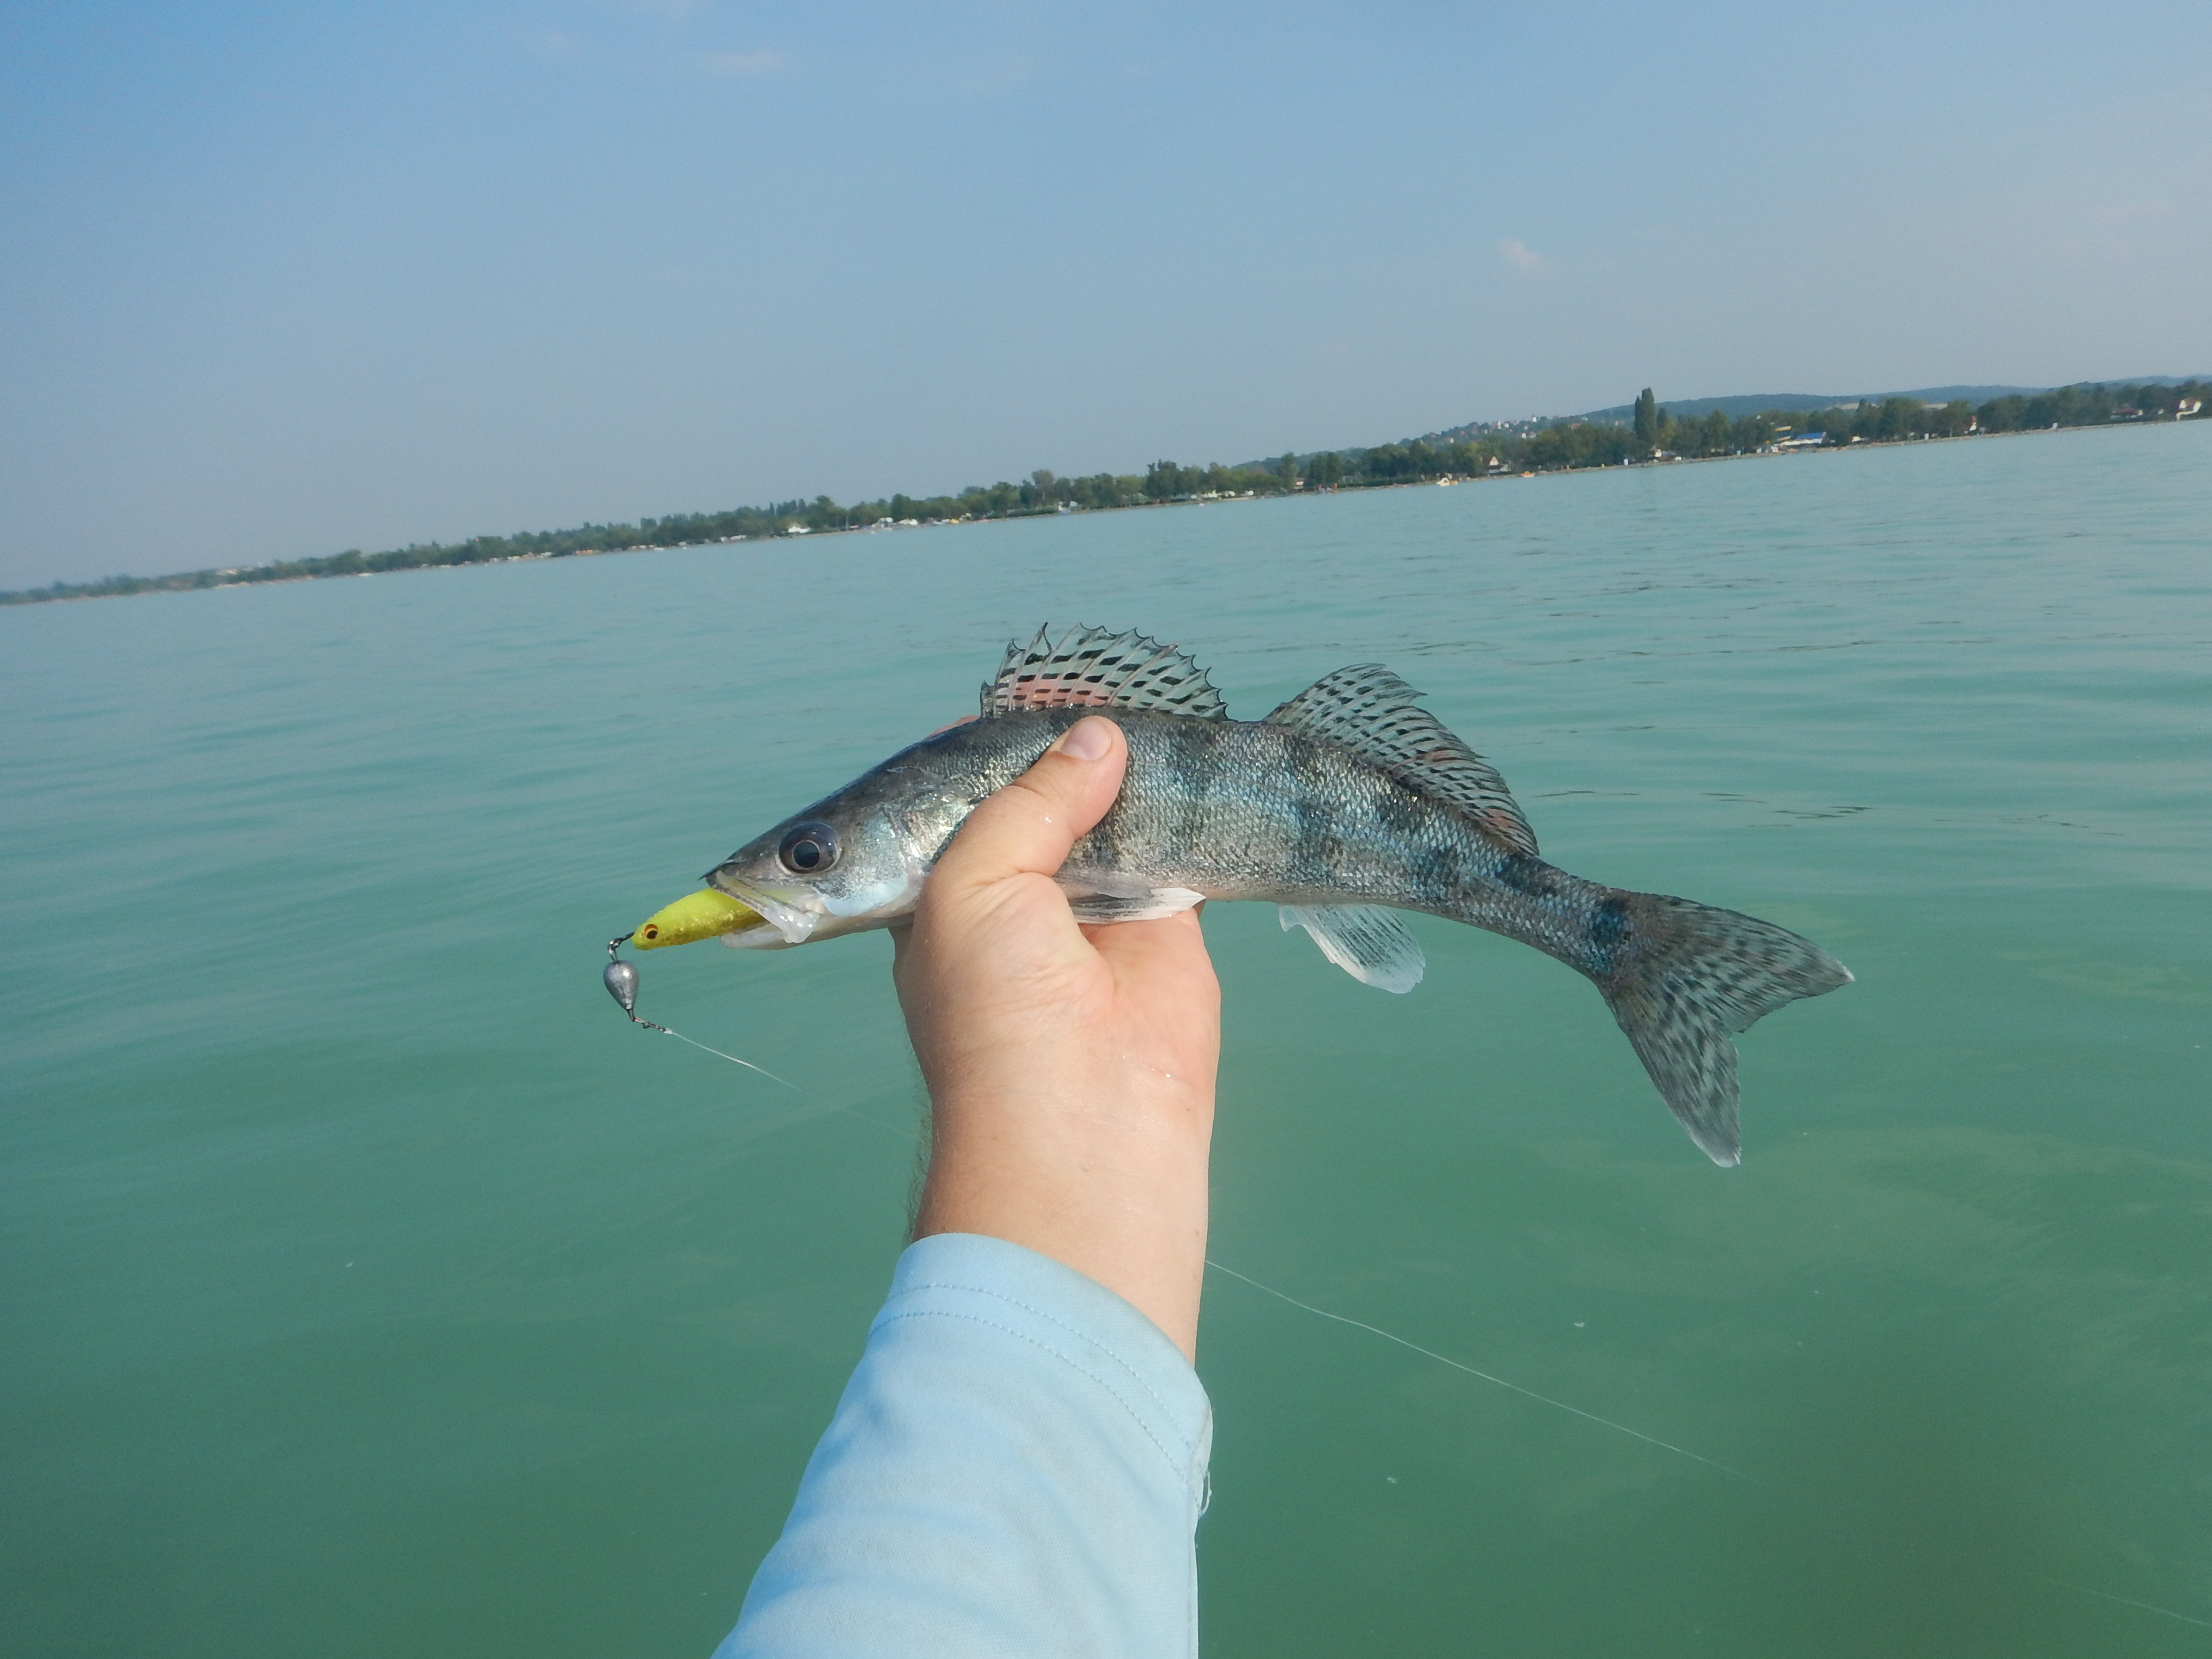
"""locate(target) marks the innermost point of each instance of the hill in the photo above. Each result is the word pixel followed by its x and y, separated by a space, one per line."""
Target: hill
pixel 1759 402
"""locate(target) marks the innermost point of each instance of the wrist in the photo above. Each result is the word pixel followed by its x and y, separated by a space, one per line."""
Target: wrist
pixel 1114 1187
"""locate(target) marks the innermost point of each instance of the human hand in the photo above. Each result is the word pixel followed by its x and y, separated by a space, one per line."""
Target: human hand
pixel 1070 1069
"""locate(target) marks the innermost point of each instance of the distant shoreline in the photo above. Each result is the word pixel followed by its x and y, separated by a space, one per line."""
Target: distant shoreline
pixel 1507 449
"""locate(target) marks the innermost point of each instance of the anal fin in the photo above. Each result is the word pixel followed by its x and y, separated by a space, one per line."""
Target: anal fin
pixel 1372 945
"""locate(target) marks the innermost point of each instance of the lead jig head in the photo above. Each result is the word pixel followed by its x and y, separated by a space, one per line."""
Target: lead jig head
pixel 620 978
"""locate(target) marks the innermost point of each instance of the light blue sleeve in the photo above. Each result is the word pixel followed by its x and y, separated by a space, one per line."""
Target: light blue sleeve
pixel 1017 1469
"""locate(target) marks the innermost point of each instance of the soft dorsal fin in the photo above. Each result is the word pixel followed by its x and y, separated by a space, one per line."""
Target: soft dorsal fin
pixel 1091 668
pixel 1370 711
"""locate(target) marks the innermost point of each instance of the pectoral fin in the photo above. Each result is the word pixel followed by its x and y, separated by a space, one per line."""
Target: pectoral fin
pixel 1104 897
pixel 1372 945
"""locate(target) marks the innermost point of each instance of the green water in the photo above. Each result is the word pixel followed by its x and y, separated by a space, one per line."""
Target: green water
pixel 371 1288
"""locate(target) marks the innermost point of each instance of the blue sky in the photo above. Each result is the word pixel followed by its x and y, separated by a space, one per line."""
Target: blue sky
pixel 279 279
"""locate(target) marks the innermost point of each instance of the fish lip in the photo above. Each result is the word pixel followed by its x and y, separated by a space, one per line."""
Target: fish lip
pixel 796 925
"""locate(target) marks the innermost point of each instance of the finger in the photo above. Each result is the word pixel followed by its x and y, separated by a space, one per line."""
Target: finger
pixel 1172 945
pixel 1028 826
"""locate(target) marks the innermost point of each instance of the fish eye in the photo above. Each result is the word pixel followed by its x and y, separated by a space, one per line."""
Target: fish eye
pixel 808 849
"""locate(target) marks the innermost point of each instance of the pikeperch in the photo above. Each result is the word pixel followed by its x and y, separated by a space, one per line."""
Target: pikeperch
pixel 1345 804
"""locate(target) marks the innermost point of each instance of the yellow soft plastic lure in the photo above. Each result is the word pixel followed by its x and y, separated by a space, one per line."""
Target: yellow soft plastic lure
pixel 704 915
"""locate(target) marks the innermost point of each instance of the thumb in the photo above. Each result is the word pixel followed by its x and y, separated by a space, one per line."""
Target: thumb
pixel 1027 827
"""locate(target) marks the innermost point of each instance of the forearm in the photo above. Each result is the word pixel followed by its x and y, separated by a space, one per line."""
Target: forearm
pixel 1110 1180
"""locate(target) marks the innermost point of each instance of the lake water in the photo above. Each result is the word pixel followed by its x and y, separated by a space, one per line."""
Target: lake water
pixel 371 1288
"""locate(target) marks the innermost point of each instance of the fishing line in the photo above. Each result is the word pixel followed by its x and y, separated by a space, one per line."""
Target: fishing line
pixel 1361 1324
pixel 620 978
pixel 2105 1596
pixel 719 1054
pixel 1430 1353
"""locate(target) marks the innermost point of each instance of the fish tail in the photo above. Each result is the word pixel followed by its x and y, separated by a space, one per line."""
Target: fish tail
pixel 1681 978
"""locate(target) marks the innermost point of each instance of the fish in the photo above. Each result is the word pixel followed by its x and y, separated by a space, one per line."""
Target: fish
pixel 1345 806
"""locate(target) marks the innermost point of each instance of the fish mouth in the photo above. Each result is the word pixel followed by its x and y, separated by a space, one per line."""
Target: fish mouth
pixel 794 925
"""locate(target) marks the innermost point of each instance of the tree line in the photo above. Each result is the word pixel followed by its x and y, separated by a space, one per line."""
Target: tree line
pixel 1650 434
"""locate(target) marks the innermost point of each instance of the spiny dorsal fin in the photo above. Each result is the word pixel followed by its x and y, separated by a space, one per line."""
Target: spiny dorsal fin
pixel 1371 712
pixel 1091 668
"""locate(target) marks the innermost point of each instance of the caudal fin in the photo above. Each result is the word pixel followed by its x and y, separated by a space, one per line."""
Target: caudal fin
pixel 1684 978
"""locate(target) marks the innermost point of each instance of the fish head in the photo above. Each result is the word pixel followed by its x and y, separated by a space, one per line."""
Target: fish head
pixel 843 864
